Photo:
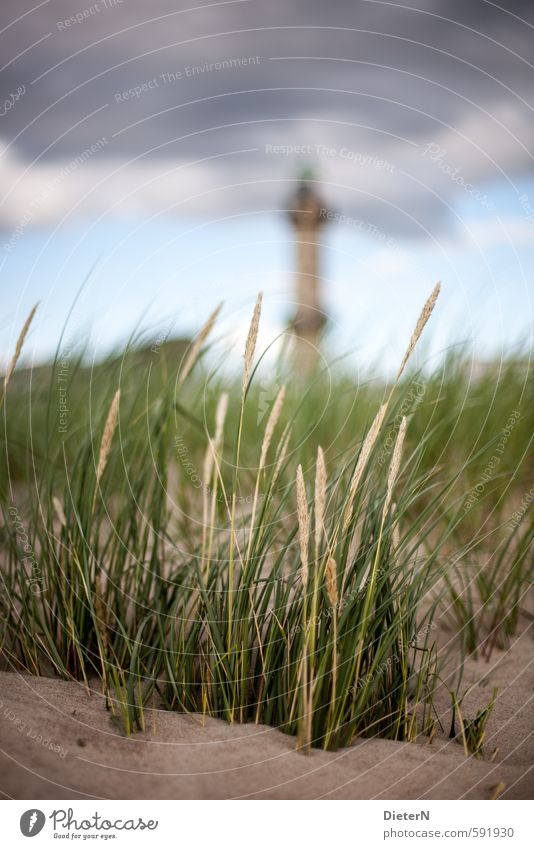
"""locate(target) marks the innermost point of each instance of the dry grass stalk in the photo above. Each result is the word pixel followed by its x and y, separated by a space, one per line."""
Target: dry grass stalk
pixel 420 326
pixel 320 498
pixel 107 436
pixel 365 452
pixel 498 790
pixel 207 471
pixel 304 526
pixel 395 540
pixel 207 468
pixel 333 597
pixel 220 418
pixel 252 338
pixel 331 582
pixel 267 439
pixel 101 612
pixel 271 424
pixel 304 733
pixel 281 453
pixel 197 344
pixel 60 513
pixel 210 459
pixel 18 346
pixel 395 465
pixel 215 444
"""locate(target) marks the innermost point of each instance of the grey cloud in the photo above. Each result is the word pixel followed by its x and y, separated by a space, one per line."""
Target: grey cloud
pixel 382 80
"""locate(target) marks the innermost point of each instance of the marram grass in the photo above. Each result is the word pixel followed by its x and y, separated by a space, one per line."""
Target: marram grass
pixel 291 578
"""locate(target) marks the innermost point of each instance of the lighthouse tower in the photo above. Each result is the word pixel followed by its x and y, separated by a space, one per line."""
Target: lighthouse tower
pixel 308 214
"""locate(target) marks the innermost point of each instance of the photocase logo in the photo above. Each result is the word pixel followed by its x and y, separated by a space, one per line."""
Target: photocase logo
pixel 32 822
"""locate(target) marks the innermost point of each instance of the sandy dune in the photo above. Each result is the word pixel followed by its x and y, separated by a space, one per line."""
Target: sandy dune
pixel 183 757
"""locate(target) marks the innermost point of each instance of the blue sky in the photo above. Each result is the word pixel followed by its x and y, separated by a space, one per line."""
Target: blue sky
pixel 417 120
pixel 171 271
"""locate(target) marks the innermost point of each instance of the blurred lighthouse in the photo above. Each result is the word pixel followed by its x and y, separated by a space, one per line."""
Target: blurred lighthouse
pixel 308 214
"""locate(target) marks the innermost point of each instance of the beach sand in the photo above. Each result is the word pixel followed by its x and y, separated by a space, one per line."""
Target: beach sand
pixel 186 757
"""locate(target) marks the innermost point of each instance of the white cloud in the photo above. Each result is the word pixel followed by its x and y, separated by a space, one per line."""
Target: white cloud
pixel 43 193
pixel 511 231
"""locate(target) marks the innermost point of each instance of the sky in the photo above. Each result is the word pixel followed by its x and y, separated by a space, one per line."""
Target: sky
pixel 152 150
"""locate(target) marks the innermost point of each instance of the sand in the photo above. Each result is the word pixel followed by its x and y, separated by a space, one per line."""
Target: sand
pixel 184 757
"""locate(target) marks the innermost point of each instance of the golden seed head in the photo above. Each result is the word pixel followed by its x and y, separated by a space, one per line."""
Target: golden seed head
pixel 281 453
pixel 18 346
pixel 107 437
pixel 197 344
pixel 331 582
pixel 395 464
pixel 320 497
pixel 304 525
pixel 420 326
pixel 365 453
pixel 252 338
pixel 271 424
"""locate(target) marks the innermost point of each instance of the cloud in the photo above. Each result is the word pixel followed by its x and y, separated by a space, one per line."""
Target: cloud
pixel 513 232
pixel 189 101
